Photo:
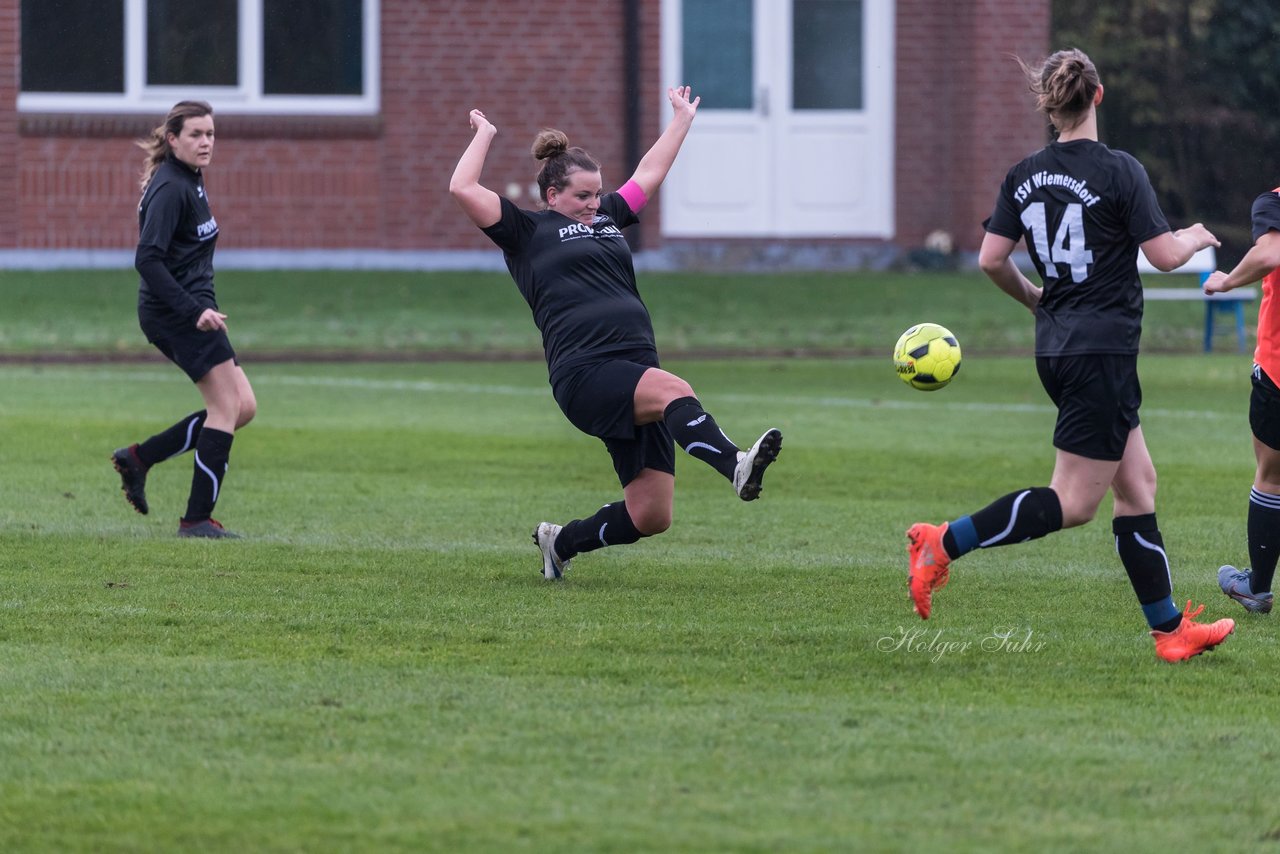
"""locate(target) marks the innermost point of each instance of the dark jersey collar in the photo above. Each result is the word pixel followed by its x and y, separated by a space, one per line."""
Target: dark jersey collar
pixel 194 171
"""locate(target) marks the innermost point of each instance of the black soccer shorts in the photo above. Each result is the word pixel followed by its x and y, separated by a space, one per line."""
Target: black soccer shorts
pixel 1264 409
pixel 599 399
pixel 1097 395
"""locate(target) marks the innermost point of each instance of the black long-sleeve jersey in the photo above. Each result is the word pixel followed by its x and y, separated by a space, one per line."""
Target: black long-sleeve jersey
pixel 1084 210
pixel 177 235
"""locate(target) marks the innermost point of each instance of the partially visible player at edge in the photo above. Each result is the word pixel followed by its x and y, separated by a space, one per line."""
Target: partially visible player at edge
pixel 1084 210
pixel 1252 587
pixel 179 315
pixel 573 266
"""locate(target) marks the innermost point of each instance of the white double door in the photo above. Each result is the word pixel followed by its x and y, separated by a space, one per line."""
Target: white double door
pixel 794 136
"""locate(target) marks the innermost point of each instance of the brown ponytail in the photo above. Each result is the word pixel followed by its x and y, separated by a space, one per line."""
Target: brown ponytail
pixel 1064 85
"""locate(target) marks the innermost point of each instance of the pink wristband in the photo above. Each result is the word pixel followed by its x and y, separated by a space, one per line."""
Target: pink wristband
pixel 633 196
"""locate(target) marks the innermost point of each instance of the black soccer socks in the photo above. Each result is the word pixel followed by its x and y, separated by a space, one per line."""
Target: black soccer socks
pixel 1141 550
pixel 1264 539
pixel 696 431
pixel 213 448
pixel 178 439
pixel 1027 514
pixel 610 526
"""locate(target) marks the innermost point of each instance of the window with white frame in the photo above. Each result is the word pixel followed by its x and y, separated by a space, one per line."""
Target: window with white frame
pixel 244 56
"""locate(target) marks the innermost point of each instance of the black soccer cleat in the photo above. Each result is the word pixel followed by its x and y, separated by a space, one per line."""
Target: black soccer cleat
pixel 133 477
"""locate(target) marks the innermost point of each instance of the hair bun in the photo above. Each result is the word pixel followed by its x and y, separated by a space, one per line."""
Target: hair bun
pixel 550 143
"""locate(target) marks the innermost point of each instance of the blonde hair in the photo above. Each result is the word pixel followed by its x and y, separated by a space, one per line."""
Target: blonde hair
pixel 1065 85
pixel 157 144
pixel 551 147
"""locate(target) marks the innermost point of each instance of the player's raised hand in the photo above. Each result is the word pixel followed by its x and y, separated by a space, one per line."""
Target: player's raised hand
pixel 680 100
pixel 480 123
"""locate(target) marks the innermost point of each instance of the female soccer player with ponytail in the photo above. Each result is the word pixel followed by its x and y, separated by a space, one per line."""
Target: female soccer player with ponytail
pixel 1084 210
pixel 179 315
pixel 573 266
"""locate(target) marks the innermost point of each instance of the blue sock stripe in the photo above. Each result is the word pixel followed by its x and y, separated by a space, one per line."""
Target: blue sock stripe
pixel 1159 613
pixel 966 536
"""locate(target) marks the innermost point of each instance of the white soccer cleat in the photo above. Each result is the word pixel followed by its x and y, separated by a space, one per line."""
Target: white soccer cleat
pixel 544 536
pixel 752 463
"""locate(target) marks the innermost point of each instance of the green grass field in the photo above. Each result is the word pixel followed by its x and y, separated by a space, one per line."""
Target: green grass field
pixel 380 666
pixel 401 314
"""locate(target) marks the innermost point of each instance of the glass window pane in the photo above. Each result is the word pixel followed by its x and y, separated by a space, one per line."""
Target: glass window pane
pixel 192 44
pixel 312 47
pixel 718 53
pixel 72 45
pixel 827 51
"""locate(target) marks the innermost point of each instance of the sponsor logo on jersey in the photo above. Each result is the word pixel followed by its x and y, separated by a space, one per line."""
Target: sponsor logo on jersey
pixel 600 227
pixel 207 229
pixel 577 229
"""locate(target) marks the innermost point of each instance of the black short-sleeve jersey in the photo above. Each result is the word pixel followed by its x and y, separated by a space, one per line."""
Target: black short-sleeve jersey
pixel 177 229
pixel 1265 214
pixel 1084 210
pixel 578 280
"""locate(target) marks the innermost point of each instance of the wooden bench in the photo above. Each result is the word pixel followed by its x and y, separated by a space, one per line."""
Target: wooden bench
pixel 1203 263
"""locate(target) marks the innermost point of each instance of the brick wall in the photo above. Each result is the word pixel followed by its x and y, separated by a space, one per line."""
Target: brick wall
pixel 962 118
pixel 1003 125
pixel 10 208
pixel 545 66
pixel 963 113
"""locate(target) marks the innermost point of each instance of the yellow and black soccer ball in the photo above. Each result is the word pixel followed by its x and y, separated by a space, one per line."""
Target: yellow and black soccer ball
pixel 927 356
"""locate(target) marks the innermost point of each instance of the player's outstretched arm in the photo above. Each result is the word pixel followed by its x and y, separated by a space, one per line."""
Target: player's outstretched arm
pixel 482 205
pixel 656 163
pixel 1261 259
pixel 994 259
pixel 1171 250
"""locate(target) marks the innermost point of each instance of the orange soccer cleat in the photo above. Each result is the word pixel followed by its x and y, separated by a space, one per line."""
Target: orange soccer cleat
pixel 930 566
pixel 1191 638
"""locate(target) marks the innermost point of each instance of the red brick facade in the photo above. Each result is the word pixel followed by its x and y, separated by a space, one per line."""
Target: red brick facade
pixel 962 116
pixel 10 204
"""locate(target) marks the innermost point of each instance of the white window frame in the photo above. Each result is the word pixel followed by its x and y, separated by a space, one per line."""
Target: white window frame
pixel 246 98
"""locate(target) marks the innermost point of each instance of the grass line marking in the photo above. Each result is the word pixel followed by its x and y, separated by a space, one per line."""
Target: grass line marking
pixel 540 390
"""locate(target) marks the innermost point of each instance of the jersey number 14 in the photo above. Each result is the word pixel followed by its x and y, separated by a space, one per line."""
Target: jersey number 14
pixel 1068 244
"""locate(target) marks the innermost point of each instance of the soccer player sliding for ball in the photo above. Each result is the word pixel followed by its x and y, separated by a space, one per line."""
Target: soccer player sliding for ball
pixel 573 266
pixel 1084 210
